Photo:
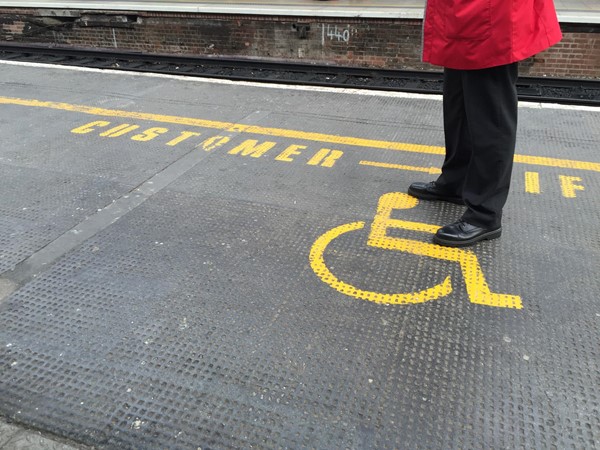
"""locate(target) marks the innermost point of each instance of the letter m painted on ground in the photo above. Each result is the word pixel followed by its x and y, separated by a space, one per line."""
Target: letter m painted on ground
pixel 252 148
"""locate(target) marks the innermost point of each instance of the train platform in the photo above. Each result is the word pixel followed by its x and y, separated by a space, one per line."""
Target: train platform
pixel 569 11
pixel 191 263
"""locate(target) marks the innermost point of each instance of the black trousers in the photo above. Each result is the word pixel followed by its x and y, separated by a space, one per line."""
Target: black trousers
pixel 480 127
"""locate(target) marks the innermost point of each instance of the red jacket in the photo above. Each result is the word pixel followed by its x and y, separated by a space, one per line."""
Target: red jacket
pixel 476 34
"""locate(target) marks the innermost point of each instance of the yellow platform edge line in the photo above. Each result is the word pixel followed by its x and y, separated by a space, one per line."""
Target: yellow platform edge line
pixel 282 132
pixel 430 170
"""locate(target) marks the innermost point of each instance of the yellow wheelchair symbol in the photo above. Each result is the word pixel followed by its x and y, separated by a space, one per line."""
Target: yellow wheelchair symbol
pixel 477 287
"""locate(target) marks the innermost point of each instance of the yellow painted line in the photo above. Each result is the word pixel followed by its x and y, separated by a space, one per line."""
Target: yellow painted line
pixel 555 162
pixel 282 132
pixel 227 126
pixel 431 170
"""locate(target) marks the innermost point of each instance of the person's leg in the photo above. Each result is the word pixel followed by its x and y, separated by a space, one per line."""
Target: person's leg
pixel 449 185
pixel 456 134
pixel 490 100
pixel 491 111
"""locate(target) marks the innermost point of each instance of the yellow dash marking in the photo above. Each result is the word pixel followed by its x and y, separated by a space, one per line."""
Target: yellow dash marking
pixel 532 183
pixel 431 170
pixel 555 162
pixel 281 132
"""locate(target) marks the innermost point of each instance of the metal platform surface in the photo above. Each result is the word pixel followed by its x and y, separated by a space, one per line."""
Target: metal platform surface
pixel 198 264
pixel 569 11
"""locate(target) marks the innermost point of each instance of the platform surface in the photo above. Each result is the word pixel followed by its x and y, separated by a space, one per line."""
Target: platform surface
pixel 572 11
pixel 198 264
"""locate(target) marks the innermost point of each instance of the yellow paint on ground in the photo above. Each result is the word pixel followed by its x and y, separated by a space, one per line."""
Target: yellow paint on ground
pixel 554 162
pixel 228 126
pixel 281 132
pixel 185 135
pixel 214 142
pixel 568 186
pixel 431 170
pixel 326 157
pixel 252 148
pixel 149 134
pixel 317 262
pixel 532 183
pixel 89 127
pixel 477 287
pixel 121 130
pixel 287 154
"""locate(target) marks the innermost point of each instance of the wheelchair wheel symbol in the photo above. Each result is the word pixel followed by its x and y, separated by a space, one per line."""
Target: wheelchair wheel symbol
pixel 477 287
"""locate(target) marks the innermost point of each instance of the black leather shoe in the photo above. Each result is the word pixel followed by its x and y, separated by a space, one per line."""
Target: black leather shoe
pixel 430 191
pixel 463 234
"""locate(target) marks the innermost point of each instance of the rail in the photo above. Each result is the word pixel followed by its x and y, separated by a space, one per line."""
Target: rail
pixel 537 89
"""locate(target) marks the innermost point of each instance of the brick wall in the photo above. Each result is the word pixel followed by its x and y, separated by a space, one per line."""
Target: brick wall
pixel 389 43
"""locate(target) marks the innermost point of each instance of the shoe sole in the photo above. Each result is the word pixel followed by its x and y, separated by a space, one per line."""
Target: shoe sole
pixel 432 197
pixel 494 234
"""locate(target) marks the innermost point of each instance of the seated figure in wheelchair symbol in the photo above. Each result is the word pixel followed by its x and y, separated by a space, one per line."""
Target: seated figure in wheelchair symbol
pixel 476 285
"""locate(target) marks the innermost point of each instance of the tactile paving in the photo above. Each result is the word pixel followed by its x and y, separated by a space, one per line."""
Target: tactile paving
pixel 197 319
pixel 37 206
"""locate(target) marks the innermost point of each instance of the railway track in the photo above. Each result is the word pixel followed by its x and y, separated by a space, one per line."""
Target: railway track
pixel 551 90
